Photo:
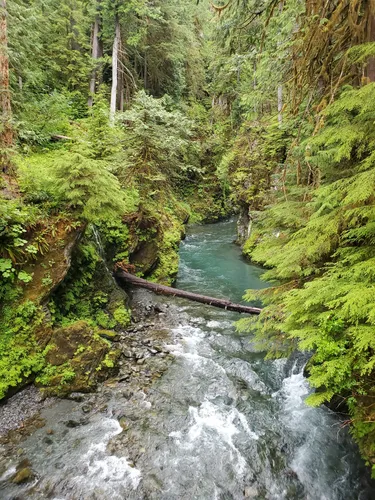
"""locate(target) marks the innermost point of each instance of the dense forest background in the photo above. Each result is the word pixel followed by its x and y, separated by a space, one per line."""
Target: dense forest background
pixel 121 120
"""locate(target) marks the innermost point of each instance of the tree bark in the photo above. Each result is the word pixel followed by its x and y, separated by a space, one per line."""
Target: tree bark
pixel 6 129
pixel 280 86
pixel 370 69
pixel 280 104
pixel 122 276
pixel 116 43
pixel 120 90
pixel 95 54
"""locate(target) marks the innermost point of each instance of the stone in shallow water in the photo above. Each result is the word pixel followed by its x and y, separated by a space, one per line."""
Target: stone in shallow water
pixel 86 408
pixel 76 396
pixel 251 492
pixel 24 473
pixel 123 423
pixel 72 423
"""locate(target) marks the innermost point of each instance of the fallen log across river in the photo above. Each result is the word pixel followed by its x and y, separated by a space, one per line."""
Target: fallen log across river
pixel 175 292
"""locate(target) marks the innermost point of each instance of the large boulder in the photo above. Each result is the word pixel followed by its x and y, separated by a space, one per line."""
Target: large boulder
pixel 52 265
pixel 78 357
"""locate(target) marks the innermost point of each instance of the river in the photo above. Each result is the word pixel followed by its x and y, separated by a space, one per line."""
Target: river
pixel 221 423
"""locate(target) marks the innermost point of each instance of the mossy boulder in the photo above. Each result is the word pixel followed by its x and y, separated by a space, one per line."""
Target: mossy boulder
pixel 108 335
pixel 22 476
pixel 145 257
pixel 52 265
pixel 77 358
pixel 118 310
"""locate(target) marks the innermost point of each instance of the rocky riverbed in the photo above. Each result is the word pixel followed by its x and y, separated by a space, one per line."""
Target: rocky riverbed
pixel 144 358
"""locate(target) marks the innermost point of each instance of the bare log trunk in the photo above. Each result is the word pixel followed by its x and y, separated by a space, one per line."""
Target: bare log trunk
pixel 6 129
pixel 122 276
pixel 116 43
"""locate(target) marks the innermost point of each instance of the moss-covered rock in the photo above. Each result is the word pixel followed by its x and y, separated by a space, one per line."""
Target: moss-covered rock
pixel 52 265
pixel 145 258
pixel 77 358
pixel 22 476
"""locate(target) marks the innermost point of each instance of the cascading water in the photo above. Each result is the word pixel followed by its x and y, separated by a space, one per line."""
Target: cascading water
pixel 222 423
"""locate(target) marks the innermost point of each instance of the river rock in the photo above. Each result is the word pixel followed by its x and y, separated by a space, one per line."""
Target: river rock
pixel 123 423
pixel 22 476
pixel 109 335
pixel 82 359
pixel 159 308
pixel 86 408
pixel 73 423
pixel 76 396
pixel 251 492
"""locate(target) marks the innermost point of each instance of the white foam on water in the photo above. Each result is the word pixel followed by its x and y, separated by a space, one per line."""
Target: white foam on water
pixel 175 434
pixel 305 421
pixel 8 473
pixel 294 390
pixel 210 418
pixel 188 347
pixel 106 471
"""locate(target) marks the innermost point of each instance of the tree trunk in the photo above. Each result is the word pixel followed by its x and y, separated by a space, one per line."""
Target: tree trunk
pixel 6 129
pixel 95 54
pixel 370 69
pixel 145 69
pixel 115 51
pixel 280 104
pixel 175 292
pixel 280 87
pixel 120 91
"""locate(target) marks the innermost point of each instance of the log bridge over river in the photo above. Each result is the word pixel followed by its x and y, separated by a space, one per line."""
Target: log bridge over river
pixel 123 276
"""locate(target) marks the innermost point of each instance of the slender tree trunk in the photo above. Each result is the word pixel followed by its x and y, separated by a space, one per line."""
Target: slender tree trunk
pixel 121 91
pixel 280 104
pixel 280 87
pixel 115 51
pixel 6 129
pixel 95 53
pixel 145 71
pixel 121 80
pixel 370 69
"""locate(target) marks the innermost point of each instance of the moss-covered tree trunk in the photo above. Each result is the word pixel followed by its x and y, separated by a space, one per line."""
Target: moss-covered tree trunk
pixel 6 129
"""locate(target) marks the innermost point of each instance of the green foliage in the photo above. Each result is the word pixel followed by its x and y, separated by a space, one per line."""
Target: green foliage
pixel 44 117
pixel 85 184
pixel 168 252
pixel 158 141
pixel 122 316
pixel 49 374
pixel 76 182
pixel 77 298
pixel 321 258
pixel 20 354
